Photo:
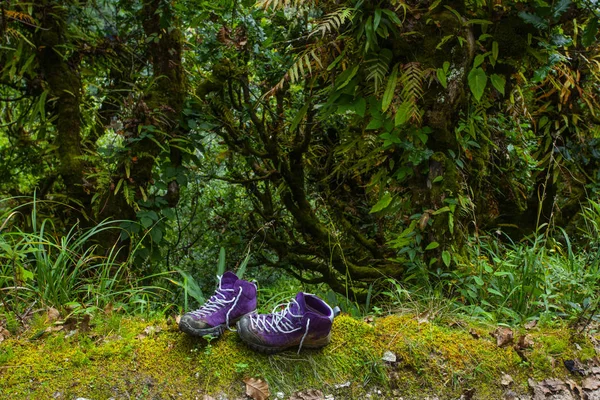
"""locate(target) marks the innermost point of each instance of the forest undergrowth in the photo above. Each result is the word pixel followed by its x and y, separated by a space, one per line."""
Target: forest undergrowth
pixel 508 309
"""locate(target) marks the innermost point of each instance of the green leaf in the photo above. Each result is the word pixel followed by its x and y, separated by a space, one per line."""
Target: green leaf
pixel 156 235
pixel 390 89
pixel 478 281
pixel 477 81
pixel 221 264
pixel 534 20
pixel 494 291
pixel 441 210
pixel 375 124
pixel 345 77
pixel 560 7
pixel 441 75
pixel 402 113
pixel 360 107
pixel 434 5
pixel 377 19
pixel 446 257
pixel 432 245
pixel 393 17
pixel 146 222
pixel 479 59
pixel 499 82
pixel 25 275
pixel 590 32
pixel 298 117
pixel 382 203
pixel 495 50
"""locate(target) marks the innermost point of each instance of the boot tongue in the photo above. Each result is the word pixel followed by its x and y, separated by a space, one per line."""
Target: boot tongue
pixel 228 280
pixel 299 307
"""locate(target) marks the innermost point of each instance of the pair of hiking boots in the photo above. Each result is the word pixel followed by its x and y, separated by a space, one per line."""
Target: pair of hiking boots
pixel 304 322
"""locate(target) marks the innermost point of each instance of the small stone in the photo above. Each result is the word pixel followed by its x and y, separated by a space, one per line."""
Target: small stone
pixel 342 385
pixel 388 356
pixel 280 395
pixel 506 380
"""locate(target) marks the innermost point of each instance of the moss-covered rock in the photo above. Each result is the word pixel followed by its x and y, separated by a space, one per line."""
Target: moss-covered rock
pixel 137 358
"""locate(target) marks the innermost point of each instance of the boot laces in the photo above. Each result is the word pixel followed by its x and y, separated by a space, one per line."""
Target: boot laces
pixel 278 322
pixel 216 302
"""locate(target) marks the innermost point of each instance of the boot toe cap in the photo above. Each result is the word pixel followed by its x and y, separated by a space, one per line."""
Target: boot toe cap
pixel 188 321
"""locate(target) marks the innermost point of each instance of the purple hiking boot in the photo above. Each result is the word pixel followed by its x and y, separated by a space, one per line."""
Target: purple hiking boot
pixel 304 322
pixel 233 299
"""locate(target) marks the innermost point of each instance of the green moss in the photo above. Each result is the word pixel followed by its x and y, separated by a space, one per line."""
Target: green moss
pixel 116 360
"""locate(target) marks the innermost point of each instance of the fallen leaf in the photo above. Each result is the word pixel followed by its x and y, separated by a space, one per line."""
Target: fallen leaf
pixel 368 319
pixel 52 314
pixel 207 397
pixel 590 383
pixel 311 394
pixel 388 356
pixel 4 334
pixel 531 324
pixel 548 387
pixel 504 336
pixel 525 342
pixel 474 333
pixel 257 389
pixel 574 387
pixel 54 328
pixel 506 380
pixel 457 324
pixel 149 331
pixel 423 317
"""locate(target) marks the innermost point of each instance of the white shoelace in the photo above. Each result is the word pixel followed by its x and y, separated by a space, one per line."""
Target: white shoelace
pixel 218 301
pixel 279 322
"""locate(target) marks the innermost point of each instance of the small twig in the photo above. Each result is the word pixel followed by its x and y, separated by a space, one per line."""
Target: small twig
pixel 24 315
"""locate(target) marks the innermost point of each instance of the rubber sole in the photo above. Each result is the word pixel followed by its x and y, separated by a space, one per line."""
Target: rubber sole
pixel 214 331
pixel 313 344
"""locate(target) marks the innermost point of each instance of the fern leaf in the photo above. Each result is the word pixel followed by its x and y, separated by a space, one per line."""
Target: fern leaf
pixel 412 81
pixel 332 22
pixel 377 67
pixel 279 4
pixel 19 16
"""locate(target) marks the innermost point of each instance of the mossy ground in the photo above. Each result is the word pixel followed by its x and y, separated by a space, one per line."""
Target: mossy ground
pixel 117 359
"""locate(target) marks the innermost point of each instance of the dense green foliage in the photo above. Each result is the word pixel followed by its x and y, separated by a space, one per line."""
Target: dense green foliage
pixel 451 146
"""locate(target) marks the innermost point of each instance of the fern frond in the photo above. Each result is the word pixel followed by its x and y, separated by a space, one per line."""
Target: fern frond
pixel 412 81
pixel 19 16
pixel 332 21
pixel 278 4
pixel 377 67
pixel 306 59
pixel 222 110
pixel 303 65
